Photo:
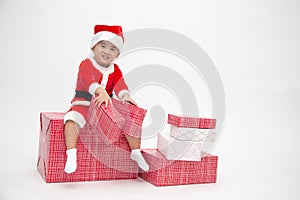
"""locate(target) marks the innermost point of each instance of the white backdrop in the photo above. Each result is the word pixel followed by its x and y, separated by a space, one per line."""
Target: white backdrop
pixel 255 46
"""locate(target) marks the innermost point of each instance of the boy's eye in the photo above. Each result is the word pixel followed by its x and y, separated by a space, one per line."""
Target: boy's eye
pixel 113 49
pixel 102 45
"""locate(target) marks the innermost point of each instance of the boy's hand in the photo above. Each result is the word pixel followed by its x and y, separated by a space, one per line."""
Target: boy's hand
pixel 126 98
pixel 102 97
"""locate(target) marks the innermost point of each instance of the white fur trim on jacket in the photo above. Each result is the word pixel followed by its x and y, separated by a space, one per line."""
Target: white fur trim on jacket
pixel 76 117
pixel 106 71
pixel 122 92
pixel 81 103
pixel 93 87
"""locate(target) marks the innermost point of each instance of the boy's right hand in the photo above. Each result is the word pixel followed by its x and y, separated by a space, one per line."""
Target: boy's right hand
pixel 102 97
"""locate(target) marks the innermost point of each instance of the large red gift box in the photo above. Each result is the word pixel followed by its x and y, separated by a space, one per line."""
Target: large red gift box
pixel 192 122
pixel 165 172
pixel 96 160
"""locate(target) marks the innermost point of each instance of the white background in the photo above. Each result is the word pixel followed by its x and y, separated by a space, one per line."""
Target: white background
pixel 254 45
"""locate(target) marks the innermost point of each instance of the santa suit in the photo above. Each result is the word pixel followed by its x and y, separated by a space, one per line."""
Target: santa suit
pixel 90 77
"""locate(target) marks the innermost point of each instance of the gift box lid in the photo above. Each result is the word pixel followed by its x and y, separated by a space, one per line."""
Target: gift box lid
pixel 137 114
pixel 51 120
pixel 191 121
pixel 96 113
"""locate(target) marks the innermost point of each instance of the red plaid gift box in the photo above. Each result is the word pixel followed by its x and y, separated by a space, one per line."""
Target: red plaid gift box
pixel 191 122
pixel 106 120
pixel 174 149
pixel 192 134
pixel 115 162
pixel 165 172
pixel 116 119
pixel 133 115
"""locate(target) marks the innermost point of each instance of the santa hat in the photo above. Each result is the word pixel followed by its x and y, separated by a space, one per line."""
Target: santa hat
pixel 112 34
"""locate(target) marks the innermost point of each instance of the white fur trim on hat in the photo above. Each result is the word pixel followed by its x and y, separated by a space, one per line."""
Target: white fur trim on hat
pixel 76 117
pixel 108 36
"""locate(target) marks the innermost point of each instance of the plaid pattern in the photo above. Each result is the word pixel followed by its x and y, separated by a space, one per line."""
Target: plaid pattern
pixel 95 159
pixel 192 122
pixel 116 120
pixel 133 115
pixel 106 120
pixel 164 172
pixel 174 149
pixel 192 134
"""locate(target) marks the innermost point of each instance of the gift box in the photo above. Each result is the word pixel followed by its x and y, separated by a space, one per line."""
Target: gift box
pixel 165 172
pixel 106 120
pixel 174 149
pixel 192 122
pixel 116 119
pixel 133 115
pixel 192 134
pixel 96 160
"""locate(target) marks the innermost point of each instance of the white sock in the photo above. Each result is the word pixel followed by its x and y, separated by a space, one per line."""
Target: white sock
pixel 137 156
pixel 71 163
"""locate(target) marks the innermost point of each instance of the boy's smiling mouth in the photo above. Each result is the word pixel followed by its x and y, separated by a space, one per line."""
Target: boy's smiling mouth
pixel 105 57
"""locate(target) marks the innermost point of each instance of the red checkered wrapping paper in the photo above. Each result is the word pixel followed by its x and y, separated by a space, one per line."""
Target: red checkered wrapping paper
pixel 106 120
pixel 192 122
pixel 116 119
pixel 115 155
pixel 165 172
pixel 133 115
pixel 174 149
pixel 52 154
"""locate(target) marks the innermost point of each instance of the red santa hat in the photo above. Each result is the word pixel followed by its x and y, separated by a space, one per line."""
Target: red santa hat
pixel 112 34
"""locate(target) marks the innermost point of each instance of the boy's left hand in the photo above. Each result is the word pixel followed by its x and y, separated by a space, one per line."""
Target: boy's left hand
pixel 126 98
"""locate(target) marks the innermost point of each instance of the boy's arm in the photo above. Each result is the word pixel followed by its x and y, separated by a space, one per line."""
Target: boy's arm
pixel 88 81
pixel 121 88
pixel 102 97
pixel 87 78
pixel 127 98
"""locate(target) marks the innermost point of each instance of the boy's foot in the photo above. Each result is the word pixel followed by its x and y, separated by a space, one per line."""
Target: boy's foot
pixel 137 156
pixel 71 163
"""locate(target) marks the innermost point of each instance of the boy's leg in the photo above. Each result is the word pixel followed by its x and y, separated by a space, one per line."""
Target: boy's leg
pixel 134 143
pixel 136 154
pixel 74 120
pixel 71 136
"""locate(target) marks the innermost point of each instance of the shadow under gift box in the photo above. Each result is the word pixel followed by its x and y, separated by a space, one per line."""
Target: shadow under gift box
pixel 164 172
pixel 96 160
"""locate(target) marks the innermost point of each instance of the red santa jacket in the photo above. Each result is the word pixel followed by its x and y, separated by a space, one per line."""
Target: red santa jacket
pixel 91 76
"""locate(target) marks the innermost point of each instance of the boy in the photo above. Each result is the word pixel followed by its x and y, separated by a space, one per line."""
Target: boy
pixel 98 75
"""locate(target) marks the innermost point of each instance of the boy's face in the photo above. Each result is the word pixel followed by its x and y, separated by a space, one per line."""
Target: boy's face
pixel 105 53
